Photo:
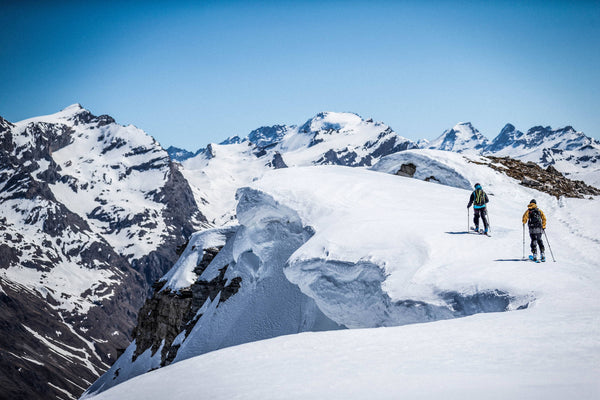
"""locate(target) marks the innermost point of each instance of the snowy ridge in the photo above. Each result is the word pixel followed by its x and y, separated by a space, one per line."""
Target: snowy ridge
pixel 356 243
pixel 91 213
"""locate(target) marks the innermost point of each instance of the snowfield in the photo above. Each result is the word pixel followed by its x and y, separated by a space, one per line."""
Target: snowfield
pixel 444 313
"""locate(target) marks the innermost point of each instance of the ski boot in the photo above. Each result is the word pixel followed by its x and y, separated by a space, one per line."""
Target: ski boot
pixel 543 258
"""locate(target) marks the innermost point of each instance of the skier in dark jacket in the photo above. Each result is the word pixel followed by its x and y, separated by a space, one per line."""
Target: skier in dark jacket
pixel 479 200
pixel 536 220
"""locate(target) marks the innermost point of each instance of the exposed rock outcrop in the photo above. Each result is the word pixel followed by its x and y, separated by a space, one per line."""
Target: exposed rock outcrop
pixel 168 313
pixel 547 180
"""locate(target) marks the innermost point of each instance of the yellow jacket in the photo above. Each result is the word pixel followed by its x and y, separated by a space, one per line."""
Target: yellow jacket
pixel 531 206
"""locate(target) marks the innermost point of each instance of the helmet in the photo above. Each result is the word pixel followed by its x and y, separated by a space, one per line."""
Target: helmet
pixel 477 186
pixel 533 201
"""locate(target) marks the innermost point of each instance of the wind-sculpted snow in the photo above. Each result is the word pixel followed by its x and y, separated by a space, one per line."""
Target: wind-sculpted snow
pixel 361 265
pixel 352 294
pixel 267 304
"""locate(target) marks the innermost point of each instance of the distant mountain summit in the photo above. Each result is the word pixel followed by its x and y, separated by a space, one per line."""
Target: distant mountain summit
pixel 462 138
pixel 508 136
pixel 268 135
pixel 178 154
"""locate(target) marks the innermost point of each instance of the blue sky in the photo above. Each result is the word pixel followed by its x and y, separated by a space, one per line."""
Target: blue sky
pixel 189 73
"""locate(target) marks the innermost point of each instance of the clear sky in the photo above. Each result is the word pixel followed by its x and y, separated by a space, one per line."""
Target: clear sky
pixel 190 73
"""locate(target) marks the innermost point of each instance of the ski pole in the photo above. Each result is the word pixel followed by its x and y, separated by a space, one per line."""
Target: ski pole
pixel 547 241
pixel 468 218
pixel 523 241
pixel 489 221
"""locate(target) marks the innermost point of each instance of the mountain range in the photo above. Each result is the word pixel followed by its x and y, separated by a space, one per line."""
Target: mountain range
pixel 94 214
pixel 569 151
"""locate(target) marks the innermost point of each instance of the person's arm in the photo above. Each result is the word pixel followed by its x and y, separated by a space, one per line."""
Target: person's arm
pixel 525 216
pixel 543 220
pixel 486 199
pixel 471 199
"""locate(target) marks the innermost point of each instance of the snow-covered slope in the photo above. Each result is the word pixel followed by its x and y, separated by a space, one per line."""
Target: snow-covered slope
pixel 91 214
pixel 370 249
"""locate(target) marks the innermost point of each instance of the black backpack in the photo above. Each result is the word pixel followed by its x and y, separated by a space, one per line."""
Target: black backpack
pixel 479 197
pixel 535 218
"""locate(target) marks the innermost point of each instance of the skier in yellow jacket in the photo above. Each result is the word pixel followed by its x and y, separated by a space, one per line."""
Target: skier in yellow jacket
pixel 536 220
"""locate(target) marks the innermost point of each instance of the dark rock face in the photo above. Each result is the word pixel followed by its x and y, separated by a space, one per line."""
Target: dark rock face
pixel 40 232
pixel 277 162
pixel 180 211
pixel 507 137
pixel 407 170
pixel 177 154
pixel 386 143
pixel 267 135
pixel 166 314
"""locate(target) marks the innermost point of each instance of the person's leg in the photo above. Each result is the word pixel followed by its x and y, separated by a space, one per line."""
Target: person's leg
pixel 533 242
pixel 476 218
pixel 484 218
pixel 540 243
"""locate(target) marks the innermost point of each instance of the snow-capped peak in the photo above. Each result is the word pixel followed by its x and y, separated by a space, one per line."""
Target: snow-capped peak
pixel 328 120
pixel 75 114
pixel 507 136
pixel 74 108
pixel 463 137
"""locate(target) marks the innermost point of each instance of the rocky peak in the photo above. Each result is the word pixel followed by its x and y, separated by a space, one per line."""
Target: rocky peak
pixel 507 137
pixel 5 125
pixel 178 154
pixel 267 135
pixel 232 140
